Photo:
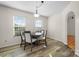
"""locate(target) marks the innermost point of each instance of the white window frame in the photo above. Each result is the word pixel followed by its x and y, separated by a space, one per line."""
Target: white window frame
pixel 14 23
pixel 38 23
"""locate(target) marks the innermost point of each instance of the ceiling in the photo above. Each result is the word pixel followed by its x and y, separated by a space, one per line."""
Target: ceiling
pixel 47 9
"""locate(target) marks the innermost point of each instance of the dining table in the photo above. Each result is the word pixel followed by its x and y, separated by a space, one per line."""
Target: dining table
pixel 36 35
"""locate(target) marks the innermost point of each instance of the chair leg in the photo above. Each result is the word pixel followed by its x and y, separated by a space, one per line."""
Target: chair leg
pixel 24 45
pixel 21 44
pixel 37 42
pixel 31 47
pixel 45 42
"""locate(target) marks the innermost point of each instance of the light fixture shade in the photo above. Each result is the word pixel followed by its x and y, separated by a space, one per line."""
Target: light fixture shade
pixel 36 15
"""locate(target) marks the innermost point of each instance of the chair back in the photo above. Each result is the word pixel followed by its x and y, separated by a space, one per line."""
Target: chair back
pixel 27 35
pixel 22 35
pixel 45 33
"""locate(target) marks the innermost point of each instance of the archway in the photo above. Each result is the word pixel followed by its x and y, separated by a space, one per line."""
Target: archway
pixel 71 30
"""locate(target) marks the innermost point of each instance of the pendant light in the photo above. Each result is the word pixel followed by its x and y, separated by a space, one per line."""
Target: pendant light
pixel 36 12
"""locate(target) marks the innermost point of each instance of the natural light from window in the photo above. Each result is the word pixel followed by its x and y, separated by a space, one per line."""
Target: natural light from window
pixel 38 23
pixel 19 23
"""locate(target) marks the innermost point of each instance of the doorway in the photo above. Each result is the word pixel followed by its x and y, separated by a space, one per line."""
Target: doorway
pixel 71 30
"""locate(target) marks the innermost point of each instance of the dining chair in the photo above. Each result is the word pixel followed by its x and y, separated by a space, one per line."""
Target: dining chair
pixel 29 39
pixel 43 37
pixel 22 38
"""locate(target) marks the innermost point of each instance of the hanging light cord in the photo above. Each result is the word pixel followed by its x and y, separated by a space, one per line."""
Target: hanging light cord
pixel 36 14
pixel 39 6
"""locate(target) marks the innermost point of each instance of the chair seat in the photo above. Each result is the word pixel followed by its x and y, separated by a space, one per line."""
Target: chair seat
pixel 23 38
pixel 33 40
pixel 42 38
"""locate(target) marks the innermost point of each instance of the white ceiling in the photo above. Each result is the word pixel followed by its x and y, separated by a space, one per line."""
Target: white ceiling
pixel 47 9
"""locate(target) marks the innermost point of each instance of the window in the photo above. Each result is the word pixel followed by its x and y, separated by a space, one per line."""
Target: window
pixel 18 25
pixel 38 23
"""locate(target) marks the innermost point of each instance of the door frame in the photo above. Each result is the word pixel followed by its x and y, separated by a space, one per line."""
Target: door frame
pixel 67 29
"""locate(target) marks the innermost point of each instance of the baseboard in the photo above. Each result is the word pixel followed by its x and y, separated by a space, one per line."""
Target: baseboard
pixel 77 52
pixel 57 40
pixel 8 48
pixel 48 38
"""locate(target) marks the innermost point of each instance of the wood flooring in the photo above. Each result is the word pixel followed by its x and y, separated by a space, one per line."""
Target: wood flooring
pixel 54 49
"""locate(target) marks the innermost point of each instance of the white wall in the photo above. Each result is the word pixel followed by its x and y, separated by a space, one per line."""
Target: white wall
pixel 57 25
pixel 6 25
